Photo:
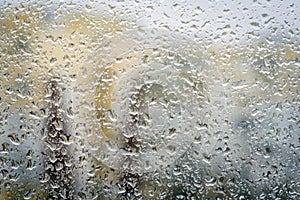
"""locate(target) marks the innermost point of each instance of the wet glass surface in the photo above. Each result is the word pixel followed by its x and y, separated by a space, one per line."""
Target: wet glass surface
pixel 149 100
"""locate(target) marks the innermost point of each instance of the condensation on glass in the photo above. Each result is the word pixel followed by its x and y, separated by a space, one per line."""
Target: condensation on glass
pixel 149 99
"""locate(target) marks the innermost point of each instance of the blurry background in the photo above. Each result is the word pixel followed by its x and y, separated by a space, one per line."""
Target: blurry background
pixel 244 56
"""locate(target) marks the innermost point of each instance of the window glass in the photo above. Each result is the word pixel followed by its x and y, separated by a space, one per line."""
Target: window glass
pixel 149 99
